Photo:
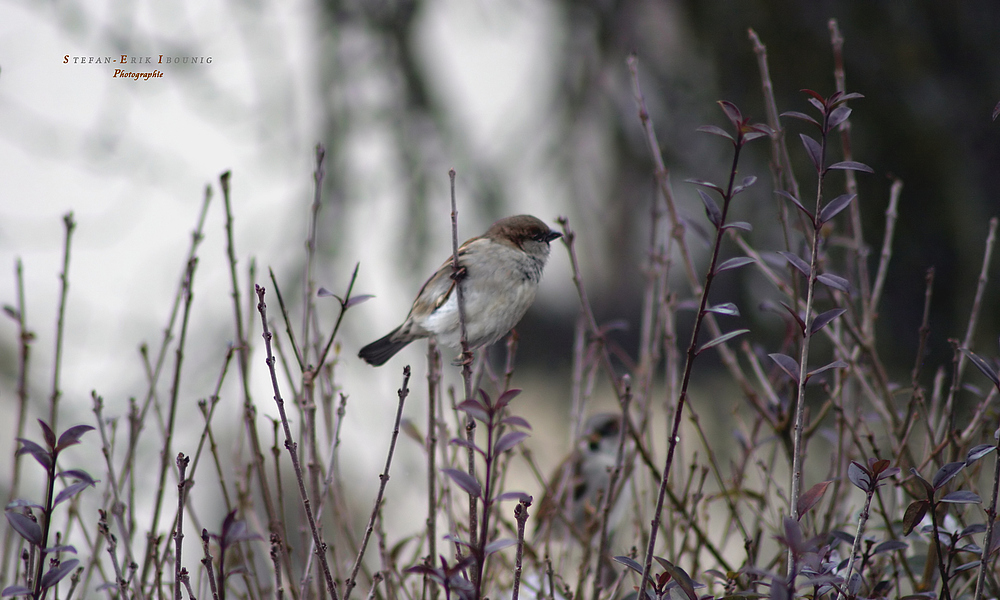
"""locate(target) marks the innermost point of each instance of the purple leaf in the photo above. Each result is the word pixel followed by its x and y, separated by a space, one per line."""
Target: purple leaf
pixel 978 452
pixel 23 524
pixel 850 165
pixel 793 259
pixel 810 497
pixel 69 491
pixel 516 421
pixel 519 496
pixel 62 548
pixel 55 574
pixel 707 184
pixel 724 309
pixel 859 476
pixel 722 338
pixel 71 436
pixel 838 116
pixel 506 397
pixel 497 545
pixel 837 364
pixel 962 497
pixel 914 514
pixel 325 293
pixel 747 182
pixel 835 282
pixel 889 546
pixel 834 207
pixel 465 481
pixel 630 563
pixel 821 320
pixel 788 364
pixel 739 225
pixel 800 116
pixel 509 440
pixel 355 300
pixel 734 263
pixel 20 590
pixel 732 113
pixel 983 366
pixel 711 208
pixel 474 409
pixel 716 131
pixel 795 315
pixel 796 202
pixel 814 150
pixel 466 444
pixel 946 474
pixel 47 433
pixel 40 454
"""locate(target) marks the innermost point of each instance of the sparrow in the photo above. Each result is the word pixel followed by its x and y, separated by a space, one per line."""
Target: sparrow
pixel 500 271
pixel 574 496
pixel 575 493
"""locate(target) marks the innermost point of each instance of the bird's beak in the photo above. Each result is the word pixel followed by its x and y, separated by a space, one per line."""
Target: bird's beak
pixel 552 235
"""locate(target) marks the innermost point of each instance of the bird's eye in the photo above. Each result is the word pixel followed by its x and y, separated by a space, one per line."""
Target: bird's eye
pixel 594 446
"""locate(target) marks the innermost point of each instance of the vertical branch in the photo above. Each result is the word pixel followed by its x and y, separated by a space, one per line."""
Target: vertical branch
pixel 403 392
pixel 320 546
pixel 171 420
pixel 458 274
pixel 25 337
pixel 69 225
pixel 275 522
pixel 433 392
pixel 182 487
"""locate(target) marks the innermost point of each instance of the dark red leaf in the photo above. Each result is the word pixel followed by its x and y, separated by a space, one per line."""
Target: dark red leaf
pixel 914 514
pixel 810 497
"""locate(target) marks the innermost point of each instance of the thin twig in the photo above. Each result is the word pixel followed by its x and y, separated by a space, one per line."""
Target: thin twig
pixel 172 418
pixel 182 488
pixel 320 546
pixel 69 225
pixel 403 392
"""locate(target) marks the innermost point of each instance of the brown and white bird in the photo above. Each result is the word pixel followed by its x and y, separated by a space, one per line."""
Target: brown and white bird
pixel 575 493
pixel 502 270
